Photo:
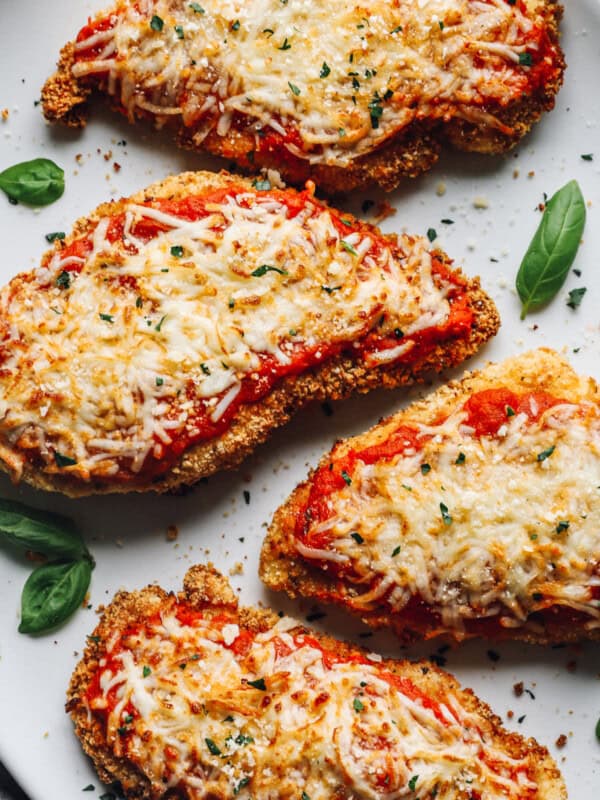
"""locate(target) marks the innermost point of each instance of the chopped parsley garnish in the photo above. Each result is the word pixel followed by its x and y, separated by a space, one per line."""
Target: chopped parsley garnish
pixel 305 796
pixel 412 784
pixel 348 247
pixel 525 59
pixel 585 157
pixel 546 453
pixel 325 70
pixel 159 381
pixel 398 333
pixel 425 468
pixel 445 515
pixel 204 369
pixel 156 23
pixel 212 747
pixel 177 250
pixel 243 739
pixel 358 705
pixel 375 110
pixel 89 788
pixel 261 186
pixel 270 31
pixel 178 31
pixel 64 280
pixel 63 461
pixel 293 88
pixel 231 303
pixel 139 302
pixel 431 234
pixel 146 671
pixel 537 596
pixel 128 718
pixel 447 221
pixel 259 683
pixel 286 45
pixel 396 30
pixel 52 237
pixel 330 289
pixel 246 494
pixel 441 24
pixel 197 8
pixel 396 551
pixel 159 326
pixel 357 537
pixel 460 458
pixel 562 526
pixel 264 268
pixel 575 297
pixel 236 25
pixel 597 730
pixel 107 317
pixel 244 782
pixel 346 477
pixel 510 412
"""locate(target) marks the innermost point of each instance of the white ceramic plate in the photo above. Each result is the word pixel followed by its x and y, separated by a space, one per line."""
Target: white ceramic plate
pixel 128 534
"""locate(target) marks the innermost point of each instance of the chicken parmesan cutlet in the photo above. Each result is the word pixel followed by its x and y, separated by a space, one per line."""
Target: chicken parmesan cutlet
pixel 475 512
pixel 189 696
pixel 170 332
pixel 346 94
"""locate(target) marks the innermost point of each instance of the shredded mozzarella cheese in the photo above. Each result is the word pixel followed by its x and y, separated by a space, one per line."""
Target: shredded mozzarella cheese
pixel 343 76
pixel 281 721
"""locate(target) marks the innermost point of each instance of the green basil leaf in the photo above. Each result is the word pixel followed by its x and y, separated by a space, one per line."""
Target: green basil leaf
pixel 38 182
pixel 41 531
pixel 553 248
pixel 52 593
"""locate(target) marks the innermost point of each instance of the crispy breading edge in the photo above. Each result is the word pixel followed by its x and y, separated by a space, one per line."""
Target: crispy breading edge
pixel 408 154
pixel 205 588
pixel 335 380
pixel 282 569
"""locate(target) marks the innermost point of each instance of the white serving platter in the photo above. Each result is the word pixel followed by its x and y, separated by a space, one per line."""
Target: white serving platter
pixel 493 204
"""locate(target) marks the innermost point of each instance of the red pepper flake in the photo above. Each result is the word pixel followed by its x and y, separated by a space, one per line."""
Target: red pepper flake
pixel 561 741
pixel 518 689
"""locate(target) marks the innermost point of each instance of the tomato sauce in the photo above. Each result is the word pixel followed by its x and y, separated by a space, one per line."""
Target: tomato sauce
pixel 260 382
pixel 542 69
pixel 241 645
pixel 486 412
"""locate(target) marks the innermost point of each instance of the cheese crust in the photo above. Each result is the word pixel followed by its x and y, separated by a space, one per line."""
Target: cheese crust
pixel 189 696
pixel 171 331
pixel 475 512
pixel 349 95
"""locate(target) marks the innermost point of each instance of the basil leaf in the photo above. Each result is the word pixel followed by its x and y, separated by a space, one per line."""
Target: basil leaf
pixel 38 182
pixel 50 534
pixel 552 250
pixel 52 593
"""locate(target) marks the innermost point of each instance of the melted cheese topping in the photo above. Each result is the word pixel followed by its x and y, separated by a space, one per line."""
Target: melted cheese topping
pixel 509 527
pixel 282 721
pixel 342 76
pixel 113 362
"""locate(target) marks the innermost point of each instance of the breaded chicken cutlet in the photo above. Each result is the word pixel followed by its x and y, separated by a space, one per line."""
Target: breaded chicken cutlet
pixel 349 95
pixel 189 696
pixel 474 512
pixel 171 331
